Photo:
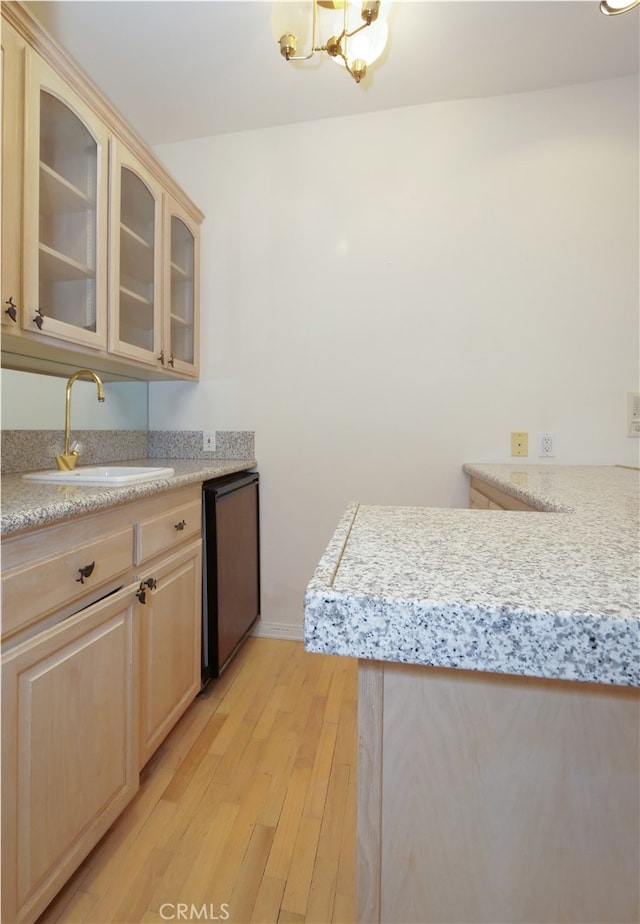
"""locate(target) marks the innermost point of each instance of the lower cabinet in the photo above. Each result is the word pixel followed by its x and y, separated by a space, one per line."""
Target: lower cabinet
pixel 484 496
pixel 170 628
pixel 101 656
pixel 69 747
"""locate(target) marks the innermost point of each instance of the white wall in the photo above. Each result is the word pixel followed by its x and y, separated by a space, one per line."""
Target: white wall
pixel 387 296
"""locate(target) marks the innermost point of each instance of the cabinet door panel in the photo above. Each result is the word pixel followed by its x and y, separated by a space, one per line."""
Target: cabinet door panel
pixel 13 54
pixel 65 212
pixel 171 631
pixel 135 255
pixel 69 751
pixel 181 290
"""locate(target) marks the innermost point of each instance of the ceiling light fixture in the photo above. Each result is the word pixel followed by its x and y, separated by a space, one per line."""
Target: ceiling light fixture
pixel 357 31
pixel 613 8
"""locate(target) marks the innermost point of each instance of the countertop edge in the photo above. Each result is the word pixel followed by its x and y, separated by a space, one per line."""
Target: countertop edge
pixel 29 505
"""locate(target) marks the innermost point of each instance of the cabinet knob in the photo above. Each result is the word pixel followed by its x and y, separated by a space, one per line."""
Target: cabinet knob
pixel 39 318
pixel 161 357
pixel 181 524
pixel 85 572
pixel 141 592
pixel 171 360
pixel 11 309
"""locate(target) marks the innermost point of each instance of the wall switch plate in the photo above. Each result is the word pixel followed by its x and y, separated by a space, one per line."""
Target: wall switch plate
pixel 546 445
pixel 519 444
pixel 208 440
pixel 633 413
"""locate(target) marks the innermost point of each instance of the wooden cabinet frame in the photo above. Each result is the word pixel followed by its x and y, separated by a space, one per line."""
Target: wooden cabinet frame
pixel 60 348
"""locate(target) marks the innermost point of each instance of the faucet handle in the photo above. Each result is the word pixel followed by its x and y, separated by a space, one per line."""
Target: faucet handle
pixel 66 461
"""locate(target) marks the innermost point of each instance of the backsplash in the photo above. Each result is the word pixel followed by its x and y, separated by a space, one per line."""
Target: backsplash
pixel 187 444
pixel 31 450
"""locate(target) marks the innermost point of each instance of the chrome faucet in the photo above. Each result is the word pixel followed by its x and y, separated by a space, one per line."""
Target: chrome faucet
pixel 68 458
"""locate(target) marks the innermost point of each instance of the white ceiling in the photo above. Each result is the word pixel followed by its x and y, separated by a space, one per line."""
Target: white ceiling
pixel 179 69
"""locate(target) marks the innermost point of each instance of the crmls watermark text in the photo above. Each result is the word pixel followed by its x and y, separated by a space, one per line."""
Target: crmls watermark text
pixel 181 911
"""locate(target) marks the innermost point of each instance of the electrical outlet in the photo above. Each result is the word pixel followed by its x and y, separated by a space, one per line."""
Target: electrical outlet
pixel 546 445
pixel 519 444
pixel 208 440
pixel 633 413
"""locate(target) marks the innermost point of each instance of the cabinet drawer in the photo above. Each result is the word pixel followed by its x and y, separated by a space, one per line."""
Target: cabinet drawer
pixel 38 587
pixel 168 529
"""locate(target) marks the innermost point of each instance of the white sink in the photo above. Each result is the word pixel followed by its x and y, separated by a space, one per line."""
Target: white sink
pixel 103 474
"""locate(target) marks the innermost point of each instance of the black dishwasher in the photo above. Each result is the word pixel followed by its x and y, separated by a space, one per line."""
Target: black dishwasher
pixel 231 573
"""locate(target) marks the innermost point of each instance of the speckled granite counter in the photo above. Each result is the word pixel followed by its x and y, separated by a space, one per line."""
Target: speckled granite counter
pixel 551 594
pixel 28 504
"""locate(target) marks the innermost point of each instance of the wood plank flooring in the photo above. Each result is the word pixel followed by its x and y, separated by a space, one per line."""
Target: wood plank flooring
pixel 248 807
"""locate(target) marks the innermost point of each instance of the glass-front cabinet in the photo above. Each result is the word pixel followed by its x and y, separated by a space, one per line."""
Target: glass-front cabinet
pixel 12 49
pixel 181 334
pixel 100 246
pixel 136 251
pixel 65 212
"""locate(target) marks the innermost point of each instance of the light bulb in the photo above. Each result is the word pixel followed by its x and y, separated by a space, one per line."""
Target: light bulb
pixel 293 17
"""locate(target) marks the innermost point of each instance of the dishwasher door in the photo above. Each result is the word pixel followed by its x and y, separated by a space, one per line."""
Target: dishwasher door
pixel 231 583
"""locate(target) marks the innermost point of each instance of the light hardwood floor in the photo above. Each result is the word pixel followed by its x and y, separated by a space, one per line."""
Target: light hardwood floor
pixel 248 807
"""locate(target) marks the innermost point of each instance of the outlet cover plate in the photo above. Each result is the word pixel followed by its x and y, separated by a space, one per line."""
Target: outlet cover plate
pixel 546 445
pixel 208 440
pixel 519 443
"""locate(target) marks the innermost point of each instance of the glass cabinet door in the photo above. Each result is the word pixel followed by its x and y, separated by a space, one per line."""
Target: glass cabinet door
pixel 65 212
pixel 181 288
pixel 136 230
pixel 12 101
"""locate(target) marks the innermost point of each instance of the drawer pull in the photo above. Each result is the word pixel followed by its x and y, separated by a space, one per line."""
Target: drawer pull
pixel 11 310
pixel 141 592
pixel 181 524
pixel 85 572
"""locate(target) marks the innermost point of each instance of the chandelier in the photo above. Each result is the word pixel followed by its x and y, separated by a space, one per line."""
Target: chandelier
pixel 615 7
pixel 355 31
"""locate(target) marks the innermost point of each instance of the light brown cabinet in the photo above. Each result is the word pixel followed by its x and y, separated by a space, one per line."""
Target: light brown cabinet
pixel 170 644
pixel 136 254
pixel 100 657
pixel 69 761
pixel 181 332
pixel 12 97
pixel 65 212
pixel 484 496
pixel 488 797
pixel 100 245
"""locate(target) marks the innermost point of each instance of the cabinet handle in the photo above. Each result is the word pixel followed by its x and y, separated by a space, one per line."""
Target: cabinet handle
pixel 39 318
pixel 161 357
pixel 181 525
pixel 11 310
pixel 141 592
pixel 171 360
pixel 85 572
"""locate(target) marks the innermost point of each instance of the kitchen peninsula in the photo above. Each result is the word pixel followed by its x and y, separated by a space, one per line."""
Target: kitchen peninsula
pixel 498 709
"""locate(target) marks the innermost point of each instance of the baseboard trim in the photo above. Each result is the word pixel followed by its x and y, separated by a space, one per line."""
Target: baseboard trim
pixel 263 629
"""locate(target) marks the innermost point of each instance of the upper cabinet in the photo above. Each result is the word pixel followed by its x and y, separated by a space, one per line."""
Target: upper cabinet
pixel 136 259
pixel 100 246
pixel 65 212
pixel 12 98
pixel 181 284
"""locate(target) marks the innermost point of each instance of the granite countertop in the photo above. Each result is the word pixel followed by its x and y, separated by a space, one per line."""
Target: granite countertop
pixel 551 594
pixel 28 504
